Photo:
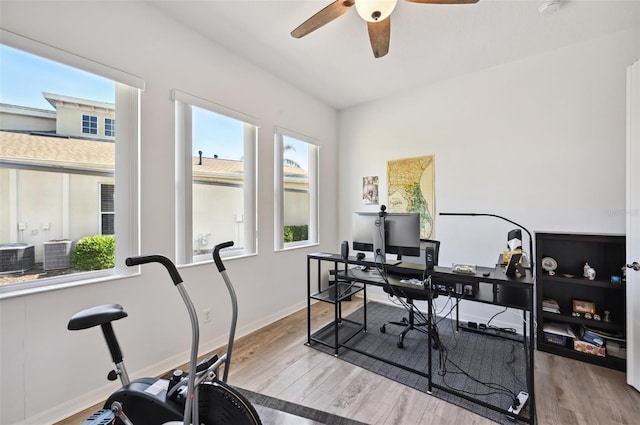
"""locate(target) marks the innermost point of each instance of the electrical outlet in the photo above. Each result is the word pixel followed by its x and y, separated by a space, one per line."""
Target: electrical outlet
pixel 207 316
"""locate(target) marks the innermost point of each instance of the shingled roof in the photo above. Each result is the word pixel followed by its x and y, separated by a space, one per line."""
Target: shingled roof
pixel 38 149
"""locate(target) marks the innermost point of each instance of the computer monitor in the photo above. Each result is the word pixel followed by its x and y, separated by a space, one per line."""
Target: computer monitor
pixel 368 232
pixel 402 234
pixel 429 250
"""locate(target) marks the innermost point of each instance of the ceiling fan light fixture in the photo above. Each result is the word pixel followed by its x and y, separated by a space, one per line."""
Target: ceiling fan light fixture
pixel 375 10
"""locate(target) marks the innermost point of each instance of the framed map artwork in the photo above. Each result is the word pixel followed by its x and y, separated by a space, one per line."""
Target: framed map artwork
pixel 411 186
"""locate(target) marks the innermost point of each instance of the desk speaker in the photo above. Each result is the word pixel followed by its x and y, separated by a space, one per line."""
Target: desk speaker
pixel 344 250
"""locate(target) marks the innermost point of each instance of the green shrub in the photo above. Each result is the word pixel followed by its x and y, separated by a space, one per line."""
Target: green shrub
pixel 296 233
pixel 96 252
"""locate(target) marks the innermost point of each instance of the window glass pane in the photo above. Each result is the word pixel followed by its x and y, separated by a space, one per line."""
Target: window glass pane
pixel 296 199
pixel 218 180
pixel 57 172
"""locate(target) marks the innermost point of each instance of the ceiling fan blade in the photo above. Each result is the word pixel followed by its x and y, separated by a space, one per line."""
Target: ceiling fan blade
pixel 379 35
pixel 444 1
pixel 326 15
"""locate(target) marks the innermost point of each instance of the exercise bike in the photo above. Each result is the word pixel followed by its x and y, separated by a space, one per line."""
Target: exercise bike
pixel 199 397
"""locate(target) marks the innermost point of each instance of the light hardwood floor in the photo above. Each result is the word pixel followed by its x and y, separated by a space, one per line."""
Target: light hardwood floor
pixel 274 361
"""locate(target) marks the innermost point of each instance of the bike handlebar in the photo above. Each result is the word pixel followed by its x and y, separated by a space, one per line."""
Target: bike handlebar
pixel 216 254
pixel 171 268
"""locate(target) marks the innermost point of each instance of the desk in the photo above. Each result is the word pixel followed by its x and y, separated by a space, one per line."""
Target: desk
pixel 493 287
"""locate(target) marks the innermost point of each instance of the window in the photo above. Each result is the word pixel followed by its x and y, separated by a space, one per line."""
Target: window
pixel 109 127
pixel 107 209
pixel 89 124
pixel 216 175
pixel 49 192
pixel 296 175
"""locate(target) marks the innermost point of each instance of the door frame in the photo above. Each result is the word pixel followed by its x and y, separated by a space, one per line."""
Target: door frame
pixel 633 224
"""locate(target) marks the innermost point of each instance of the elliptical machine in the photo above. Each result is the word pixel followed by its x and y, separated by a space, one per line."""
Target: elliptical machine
pixel 200 397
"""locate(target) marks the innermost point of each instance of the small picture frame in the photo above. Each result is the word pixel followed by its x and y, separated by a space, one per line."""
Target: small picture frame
pixel 584 307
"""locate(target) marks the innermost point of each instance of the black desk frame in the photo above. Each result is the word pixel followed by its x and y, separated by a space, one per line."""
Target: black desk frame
pixel 494 288
pixel 334 294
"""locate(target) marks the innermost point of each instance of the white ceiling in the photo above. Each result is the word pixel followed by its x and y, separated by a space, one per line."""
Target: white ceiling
pixel 428 42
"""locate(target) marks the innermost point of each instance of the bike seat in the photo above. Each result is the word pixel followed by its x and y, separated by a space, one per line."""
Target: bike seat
pixel 94 316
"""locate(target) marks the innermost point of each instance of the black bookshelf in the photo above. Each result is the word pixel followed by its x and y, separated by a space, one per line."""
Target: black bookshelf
pixel 605 254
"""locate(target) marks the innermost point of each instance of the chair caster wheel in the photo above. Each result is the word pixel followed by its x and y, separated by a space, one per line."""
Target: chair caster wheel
pixel 400 344
pixel 383 329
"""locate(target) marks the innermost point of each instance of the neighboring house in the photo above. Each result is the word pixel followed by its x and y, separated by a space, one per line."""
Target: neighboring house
pixel 57 168
pixel 73 117
pixel 22 118
pixel 82 117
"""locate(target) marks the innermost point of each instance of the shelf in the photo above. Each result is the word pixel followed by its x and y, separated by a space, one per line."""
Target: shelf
pixel 581 321
pixel 586 282
pixel 608 361
pixel 345 290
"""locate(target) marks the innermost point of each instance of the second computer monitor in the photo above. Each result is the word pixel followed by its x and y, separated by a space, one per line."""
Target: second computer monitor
pixel 368 233
pixel 402 234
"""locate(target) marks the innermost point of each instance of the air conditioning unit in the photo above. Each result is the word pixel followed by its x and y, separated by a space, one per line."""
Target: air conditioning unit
pixel 57 254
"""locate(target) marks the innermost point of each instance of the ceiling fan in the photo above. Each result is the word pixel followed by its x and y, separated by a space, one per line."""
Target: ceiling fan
pixel 377 13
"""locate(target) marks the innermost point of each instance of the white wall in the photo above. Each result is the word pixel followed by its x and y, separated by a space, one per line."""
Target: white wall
pixel 47 372
pixel 540 141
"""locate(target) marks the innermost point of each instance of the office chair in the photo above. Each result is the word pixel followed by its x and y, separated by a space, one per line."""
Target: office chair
pixel 430 248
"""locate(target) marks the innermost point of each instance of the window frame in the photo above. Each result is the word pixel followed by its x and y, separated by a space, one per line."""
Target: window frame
pixel 109 127
pixel 90 121
pixel 184 177
pixel 127 99
pixel 314 190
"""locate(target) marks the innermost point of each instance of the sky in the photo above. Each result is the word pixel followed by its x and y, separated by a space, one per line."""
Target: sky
pixel 24 77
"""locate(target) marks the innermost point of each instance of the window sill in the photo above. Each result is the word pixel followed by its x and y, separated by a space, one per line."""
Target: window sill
pixel 293 245
pixel 55 284
pixel 209 260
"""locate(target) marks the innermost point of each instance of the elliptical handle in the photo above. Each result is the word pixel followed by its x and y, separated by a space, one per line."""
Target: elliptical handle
pixel 143 259
pixel 216 254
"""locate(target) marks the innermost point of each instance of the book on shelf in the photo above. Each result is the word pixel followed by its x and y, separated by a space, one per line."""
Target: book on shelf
pixel 608 335
pixel 591 337
pixel 550 305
